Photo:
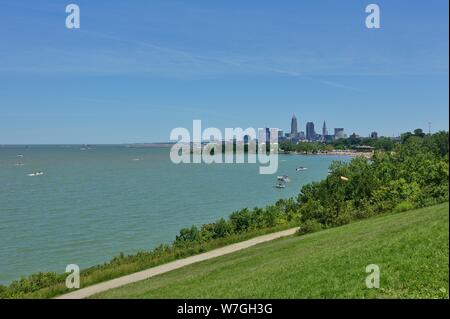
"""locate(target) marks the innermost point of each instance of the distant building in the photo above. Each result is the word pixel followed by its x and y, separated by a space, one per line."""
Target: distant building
pixel 374 135
pixel 294 128
pixel 324 129
pixel 339 133
pixel 262 136
pixel 328 138
pixel 273 135
pixel 280 135
pixel 310 133
pixel 301 135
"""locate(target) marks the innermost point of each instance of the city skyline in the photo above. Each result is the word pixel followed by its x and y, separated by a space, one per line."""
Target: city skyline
pixel 310 134
pixel 300 135
pixel 133 72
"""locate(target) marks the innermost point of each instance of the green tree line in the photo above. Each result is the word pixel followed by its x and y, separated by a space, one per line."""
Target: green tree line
pixel 382 143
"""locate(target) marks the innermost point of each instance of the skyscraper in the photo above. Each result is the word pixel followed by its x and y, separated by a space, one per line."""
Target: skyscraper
pixel 280 135
pixel 324 129
pixel 310 133
pixel 294 129
pixel 339 133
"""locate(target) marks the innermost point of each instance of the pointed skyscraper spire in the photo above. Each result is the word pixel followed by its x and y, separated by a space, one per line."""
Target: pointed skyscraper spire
pixel 324 129
pixel 294 129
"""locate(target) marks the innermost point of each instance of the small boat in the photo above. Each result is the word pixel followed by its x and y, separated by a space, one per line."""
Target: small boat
pixel 280 185
pixel 301 168
pixel 283 178
pixel 36 174
pixel 19 155
pixel 19 164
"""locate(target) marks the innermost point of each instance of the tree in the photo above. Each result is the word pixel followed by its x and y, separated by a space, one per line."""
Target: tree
pixel 188 235
pixel 419 132
pixel 405 136
pixel 222 229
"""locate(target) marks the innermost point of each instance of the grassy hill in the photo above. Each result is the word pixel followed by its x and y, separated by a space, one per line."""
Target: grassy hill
pixel 411 249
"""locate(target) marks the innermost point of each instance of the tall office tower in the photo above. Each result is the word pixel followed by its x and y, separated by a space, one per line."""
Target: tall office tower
pixel 294 129
pixel 324 129
pixel 310 133
pixel 338 133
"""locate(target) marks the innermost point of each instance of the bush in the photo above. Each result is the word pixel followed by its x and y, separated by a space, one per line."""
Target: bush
pixel 241 220
pixel 188 235
pixel 222 229
pixel 344 218
pixel 403 207
pixel 364 210
pixel 312 210
pixel 310 226
pixel 30 284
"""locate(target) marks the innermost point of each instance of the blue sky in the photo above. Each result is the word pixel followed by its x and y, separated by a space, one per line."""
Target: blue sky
pixel 137 69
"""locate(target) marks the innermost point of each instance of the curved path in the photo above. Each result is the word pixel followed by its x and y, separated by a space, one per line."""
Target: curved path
pixel 154 271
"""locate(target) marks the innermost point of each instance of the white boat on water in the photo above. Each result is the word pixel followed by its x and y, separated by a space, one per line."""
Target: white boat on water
pixel 301 168
pixel 283 178
pixel 36 174
pixel 280 185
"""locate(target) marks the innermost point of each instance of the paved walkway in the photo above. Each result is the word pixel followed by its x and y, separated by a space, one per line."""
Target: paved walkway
pixel 154 271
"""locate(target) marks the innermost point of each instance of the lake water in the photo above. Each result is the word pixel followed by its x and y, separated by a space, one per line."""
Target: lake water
pixel 90 205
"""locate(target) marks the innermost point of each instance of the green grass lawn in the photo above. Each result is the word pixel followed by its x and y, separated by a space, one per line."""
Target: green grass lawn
pixel 411 249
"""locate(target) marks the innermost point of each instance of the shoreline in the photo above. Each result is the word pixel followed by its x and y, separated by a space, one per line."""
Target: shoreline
pixel 351 153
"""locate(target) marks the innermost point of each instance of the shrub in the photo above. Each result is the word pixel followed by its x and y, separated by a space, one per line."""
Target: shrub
pixel 364 210
pixel 312 210
pixel 241 220
pixel 222 229
pixel 310 226
pixel 403 207
pixel 188 235
pixel 344 218
pixel 207 232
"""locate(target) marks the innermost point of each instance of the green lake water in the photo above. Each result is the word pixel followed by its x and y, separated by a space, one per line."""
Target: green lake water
pixel 92 204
